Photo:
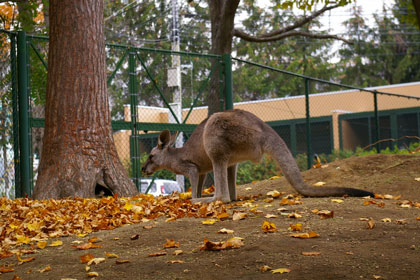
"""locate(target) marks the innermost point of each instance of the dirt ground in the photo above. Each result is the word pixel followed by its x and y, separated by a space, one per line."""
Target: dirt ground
pixel 356 243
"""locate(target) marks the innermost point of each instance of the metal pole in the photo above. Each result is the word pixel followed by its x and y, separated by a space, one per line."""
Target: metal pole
pixel 308 125
pixel 132 89
pixel 23 115
pixel 377 131
pixel 227 60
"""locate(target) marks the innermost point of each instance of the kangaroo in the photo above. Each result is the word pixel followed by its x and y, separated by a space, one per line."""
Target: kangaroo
pixel 218 144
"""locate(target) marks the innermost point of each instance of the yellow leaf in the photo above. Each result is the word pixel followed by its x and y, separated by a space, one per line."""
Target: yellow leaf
pixel 209 222
pixel 42 244
pixel 178 252
pixel 175 261
pixel 274 194
pixel 185 195
pixel 23 239
pixel 170 243
pixel 274 177
pixel 56 243
pixel 386 220
pixel 319 184
pixel 296 227
pixel 95 261
pixel 111 255
pixel 268 227
pixel 45 269
pixel 280 270
pixel 417 179
pixel 82 234
pixel 337 200
pixel 93 274
pixel 128 206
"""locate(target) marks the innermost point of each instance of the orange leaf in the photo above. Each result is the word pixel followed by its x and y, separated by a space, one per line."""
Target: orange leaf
pixel 6 269
pixel 94 239
pixel 170 243
pixel 175 261
pixel 297 227
pixel 223 216
pixel 157 254
pixel 24 260
pixel 86 258
pixel 310 234
pixel 311 253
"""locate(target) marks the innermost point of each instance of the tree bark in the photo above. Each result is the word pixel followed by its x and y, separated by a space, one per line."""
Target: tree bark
pixel 222 16
pixel 78 153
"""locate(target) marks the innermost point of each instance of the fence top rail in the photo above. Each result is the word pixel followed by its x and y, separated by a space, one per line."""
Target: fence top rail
pixel 324 81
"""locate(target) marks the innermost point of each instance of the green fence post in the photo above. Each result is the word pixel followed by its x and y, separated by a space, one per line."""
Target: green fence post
pixel 23 114
pixel 308 125
pixel 227 61
pixel 377 131
pixel 132 89
pixel 15 115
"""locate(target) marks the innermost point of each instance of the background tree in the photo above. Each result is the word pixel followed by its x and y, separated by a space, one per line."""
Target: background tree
pixel 222 15
pixel 79 156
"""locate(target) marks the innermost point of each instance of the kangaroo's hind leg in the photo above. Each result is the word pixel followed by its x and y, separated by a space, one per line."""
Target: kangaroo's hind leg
pixel 232 171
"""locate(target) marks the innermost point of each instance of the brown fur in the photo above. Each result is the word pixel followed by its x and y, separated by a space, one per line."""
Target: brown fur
pixel 222 141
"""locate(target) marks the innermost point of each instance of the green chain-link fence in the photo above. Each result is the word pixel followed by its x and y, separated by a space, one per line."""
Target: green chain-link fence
pixel 313 116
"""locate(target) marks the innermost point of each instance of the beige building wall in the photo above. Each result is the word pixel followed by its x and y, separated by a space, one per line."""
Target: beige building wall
pixel 321 104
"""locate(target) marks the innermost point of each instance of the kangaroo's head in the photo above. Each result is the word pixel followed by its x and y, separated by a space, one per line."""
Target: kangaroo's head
pixel 159 157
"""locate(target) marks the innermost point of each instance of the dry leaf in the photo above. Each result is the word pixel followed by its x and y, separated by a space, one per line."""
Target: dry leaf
pixel 310 234
pixel 239 216
pixel 280 270
pixel 265 268
pixel 45 269
pixel 294 216
pixel 326 214
pixel 41 244
pixel 274 194
pixel 311 253
pixel 185 195
pixel 111 255
pixel 337 200
pixel 296 227
pixel 87 246
pixel 95 261
pixel 223 216
pixel 401 221
pixel 386 220
pixel 121 261
pixel 6 269
pixel 175 261
pixel 93 274
pixel 86 258
pixel 226 231
pixel 209 222
pixel 234 243
pixel 269 216
pixel 371 224
pixel 56 243
pixel 135 236
pixel 94 239
pixel 177 252
pixel 268 227
pixel 157 254
pixel 170 243
pixel 319 184
pixel 20 260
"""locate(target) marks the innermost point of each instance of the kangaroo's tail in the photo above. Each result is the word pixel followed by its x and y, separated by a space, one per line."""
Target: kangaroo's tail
pixel 278 149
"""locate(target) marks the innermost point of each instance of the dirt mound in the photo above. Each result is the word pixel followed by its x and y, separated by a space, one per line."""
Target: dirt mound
pixel 361 239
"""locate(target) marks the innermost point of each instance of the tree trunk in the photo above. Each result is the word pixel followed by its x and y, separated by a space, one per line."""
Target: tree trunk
pixel 222 16
pixel 78 154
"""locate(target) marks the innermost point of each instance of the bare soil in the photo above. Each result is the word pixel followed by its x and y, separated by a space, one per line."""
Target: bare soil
pixel 346 248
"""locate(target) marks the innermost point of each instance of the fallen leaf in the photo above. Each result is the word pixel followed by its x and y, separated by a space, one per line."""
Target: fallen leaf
pixel 226 231
pixel 377 276
pixel 209 222
pixel 268 227
pixel 41 244
pixel 87 246
pixel 6 269
pixel 418 218
pixel 94 239
pixel 280 270
pixel 175 261
pixel 56 243
pixel 371 224
pixel 209 190
pixel 223 216
pixel 319 184
pixel 294 216
pixel 275 194
pixel 86 258
pixel 326 214
pixel 20 260
pixel 401 221
pixel 296 227
pixel 239 216
pixel 148 227
pixel 310 234
pixel 177 252
pixel 111 255
pixel 157 254
pixel 386 220
pixel 185 195
pixel 93 274
pixel 337 200
pixel 269 216
pixel 95 261
pixel 417 179
pixel 265 268
pixel 135 236
pixel 121 261
pixel 274 177
pixel 234 243
pixel 170 243
pixel 45 269
pixel 311 253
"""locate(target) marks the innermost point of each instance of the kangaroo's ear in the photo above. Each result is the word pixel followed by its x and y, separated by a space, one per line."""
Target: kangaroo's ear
pixel 173 139
pixel 164 139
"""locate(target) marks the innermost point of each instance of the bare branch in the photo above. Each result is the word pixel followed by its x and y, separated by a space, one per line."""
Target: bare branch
pixel 249 38
pixel 300 22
